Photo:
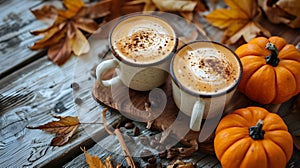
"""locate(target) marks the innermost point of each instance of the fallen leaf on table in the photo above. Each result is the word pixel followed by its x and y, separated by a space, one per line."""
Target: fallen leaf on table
pixel 96 162
pixel 45 13
pixel 63 129
pixel 282 11
pixel 186 8
pixel 148 4
pixel 181 164
pixel 65 35
pixel 238 21
pixel 175 5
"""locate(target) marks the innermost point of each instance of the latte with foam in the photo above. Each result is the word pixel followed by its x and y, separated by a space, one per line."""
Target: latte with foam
pixel 142 39
pixel 206 68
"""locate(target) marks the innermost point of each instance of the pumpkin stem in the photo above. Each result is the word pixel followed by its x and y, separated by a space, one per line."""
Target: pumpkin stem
pixel 256 131
pixel 272 59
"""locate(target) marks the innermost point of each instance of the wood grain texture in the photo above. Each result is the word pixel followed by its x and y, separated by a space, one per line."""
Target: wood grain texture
pixel 15 38
pixel 31 93
pixel 110 146
pixel 29 97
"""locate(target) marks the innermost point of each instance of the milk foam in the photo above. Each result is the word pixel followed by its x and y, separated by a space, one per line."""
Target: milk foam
pixel 206 69
pixel 143 39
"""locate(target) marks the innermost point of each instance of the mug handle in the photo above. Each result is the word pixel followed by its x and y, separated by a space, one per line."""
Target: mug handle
pixel 197 115
pixel 105 66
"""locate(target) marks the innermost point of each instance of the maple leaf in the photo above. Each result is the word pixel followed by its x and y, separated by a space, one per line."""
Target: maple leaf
pixel 96 162
pixel 65 35
pixel 63 129
pixel 238 20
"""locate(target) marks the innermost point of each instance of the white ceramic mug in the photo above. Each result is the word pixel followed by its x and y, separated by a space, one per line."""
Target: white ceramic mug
pixel 204 75
pixel 142 46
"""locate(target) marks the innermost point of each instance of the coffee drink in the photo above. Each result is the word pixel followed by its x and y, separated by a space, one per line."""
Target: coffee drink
pixel 142 40
pixel 142 47
pixel 205 75
pixel 206 68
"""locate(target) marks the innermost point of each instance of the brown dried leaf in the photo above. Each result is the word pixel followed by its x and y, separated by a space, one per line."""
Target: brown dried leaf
pixel 51 38
pixel 248 32
pixel 181 164
pixel 148 4
pixel 238 20
pixel 96 10
pixel 87 25
pixel 60 52
pixel 63 129
pixel 115 9
pixel 201 7
pixel 187 15
pixel 126 9
pixel 96 162
pixel 46 12
pixel 175 5
pixel 184 7
pixel 64 36
pixel 282 11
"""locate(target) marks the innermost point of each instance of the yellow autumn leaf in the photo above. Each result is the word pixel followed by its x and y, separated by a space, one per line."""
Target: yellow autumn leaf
pixel 238 20
pixel 96 162
pixel 246 7
pixel 93 161
pixel 63 129
pixel 80 44
pixel 64 36
pixel 74 5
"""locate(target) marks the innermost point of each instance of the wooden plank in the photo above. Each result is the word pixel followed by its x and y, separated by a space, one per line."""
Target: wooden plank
pixel 31 96
pixel 15 37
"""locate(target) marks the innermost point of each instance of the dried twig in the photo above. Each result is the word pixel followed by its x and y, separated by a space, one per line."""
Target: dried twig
pixel 118 133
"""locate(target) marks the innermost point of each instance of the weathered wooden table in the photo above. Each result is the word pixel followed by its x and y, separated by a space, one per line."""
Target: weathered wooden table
pixel 32 89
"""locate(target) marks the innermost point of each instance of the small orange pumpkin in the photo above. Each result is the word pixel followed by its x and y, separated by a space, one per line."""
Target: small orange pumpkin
pixel 252 137
pixel 271 70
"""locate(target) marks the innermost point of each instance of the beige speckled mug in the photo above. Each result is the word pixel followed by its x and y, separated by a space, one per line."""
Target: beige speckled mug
pixel 204 77
pixel 142 46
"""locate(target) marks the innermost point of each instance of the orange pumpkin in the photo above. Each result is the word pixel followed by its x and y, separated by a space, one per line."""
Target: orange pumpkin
pixel 271 70
pixel 252 137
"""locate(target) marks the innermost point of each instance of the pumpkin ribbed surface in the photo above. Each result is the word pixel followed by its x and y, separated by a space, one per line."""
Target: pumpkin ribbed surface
pixel 266 82
pixel 235 147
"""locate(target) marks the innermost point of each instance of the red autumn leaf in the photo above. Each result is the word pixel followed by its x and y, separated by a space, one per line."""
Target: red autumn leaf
pixel 63 129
